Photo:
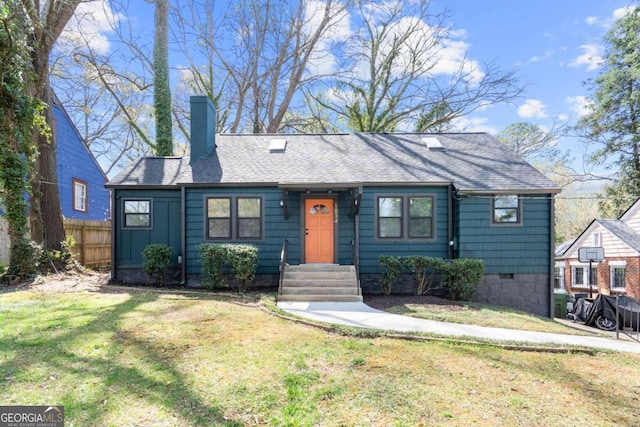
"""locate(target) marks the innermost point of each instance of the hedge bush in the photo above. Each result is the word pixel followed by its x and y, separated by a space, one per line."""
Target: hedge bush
pixel 459 276
pixel 392 268
pixel 241 258
pixel 157 260
pixel 462 276
pixel 25 258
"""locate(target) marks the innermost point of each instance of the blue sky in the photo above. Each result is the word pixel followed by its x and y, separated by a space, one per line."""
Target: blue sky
pixel 554 45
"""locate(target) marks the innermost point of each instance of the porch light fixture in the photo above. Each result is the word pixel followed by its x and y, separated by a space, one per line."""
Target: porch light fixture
pixel 283 204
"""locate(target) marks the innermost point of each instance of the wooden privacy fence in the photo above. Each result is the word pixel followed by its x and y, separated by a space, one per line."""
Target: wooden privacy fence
pixel 93 241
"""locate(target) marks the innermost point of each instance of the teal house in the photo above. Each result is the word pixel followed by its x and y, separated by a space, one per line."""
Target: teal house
pixel 321 202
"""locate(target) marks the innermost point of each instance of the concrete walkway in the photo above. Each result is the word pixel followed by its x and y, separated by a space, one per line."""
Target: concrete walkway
pixel 360 315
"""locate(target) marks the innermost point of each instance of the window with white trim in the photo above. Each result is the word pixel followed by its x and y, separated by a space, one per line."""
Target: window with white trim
pixel 558 278
pixel 617 275
pixel 79 195
pixel 580 276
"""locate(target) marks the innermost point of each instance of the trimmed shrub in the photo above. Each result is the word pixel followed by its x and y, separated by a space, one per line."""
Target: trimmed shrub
pixel 244 261
pixel 212 258
pixel 25 258
pixel 458 276
pixel 392 268
pixel 462 276
pixel 425 270
pixel 157 260
pixel 241 258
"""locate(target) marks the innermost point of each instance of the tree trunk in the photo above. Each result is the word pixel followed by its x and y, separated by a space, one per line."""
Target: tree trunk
pixel 162 89
pixel 45 213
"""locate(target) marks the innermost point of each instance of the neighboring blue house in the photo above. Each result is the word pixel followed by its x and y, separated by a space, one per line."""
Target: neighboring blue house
pixel 342 199
pixel 80 178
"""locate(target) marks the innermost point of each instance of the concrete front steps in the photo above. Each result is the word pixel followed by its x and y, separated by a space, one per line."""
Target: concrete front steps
pixel 320 283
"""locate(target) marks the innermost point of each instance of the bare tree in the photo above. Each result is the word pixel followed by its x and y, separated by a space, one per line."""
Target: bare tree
pixel 107 92
pixel 403 74
pixel 46 20
pixel 261 52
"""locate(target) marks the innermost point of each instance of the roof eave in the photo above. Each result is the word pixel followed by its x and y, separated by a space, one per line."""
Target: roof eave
pixel 484 191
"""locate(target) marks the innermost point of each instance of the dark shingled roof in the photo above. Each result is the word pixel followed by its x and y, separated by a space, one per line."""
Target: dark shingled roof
pixel 473 162
pixel 623 231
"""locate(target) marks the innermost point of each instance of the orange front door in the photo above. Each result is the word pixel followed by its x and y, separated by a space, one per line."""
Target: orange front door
pixel 318 220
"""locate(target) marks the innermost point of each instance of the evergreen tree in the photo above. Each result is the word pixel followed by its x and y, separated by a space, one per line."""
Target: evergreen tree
pixel 613 121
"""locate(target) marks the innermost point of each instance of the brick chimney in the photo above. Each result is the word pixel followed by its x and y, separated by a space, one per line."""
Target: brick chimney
pixel 203 127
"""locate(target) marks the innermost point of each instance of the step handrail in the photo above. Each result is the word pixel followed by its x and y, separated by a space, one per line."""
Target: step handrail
pixel 283 263
pixel 630 314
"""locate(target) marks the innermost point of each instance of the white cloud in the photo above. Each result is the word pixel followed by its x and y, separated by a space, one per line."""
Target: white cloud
pixel 546 55
pixel 591 57
pixel 90 25
pixel 472 124
pixel 619 13
pixel 532 108
pixel 322 60
pixel 453 56
pixel 591 20
pixel 579 104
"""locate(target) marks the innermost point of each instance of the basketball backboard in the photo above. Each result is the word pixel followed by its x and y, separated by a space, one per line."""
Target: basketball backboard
pixel 590 254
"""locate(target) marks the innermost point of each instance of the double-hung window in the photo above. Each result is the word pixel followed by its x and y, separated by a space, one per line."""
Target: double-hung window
pixel 405 217
pixel 617 275
pixel 558 279
pixel 234 218
pixel 506 209
pixel 219 218
pixel 137 213
pixel 580 276
pixel 79 195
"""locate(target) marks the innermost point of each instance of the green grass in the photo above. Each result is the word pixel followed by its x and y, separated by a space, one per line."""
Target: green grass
pixel 163 359
pixel 475 313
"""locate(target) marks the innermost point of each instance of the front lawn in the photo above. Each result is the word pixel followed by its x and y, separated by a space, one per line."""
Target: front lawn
pixel 167 359
pixel 467 312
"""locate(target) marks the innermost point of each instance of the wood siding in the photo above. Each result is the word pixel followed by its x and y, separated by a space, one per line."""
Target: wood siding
pixel 505 249
pixel 75 161
pixel 521 249
pixel 276 229
pixel 613 246
pixel 371 248
pixel 165 228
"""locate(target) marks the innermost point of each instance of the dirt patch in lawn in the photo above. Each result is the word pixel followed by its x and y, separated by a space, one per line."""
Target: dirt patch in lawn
pixel 384 302
pixel 89 281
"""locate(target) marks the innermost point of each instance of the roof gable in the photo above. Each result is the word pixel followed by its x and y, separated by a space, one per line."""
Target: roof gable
pixel 617 238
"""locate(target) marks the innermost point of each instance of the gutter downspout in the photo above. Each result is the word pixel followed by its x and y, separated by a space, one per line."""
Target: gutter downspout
pixel 183 238
pixel 450 222
pixel 357 239
pixel 552 251
pixel 114 215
